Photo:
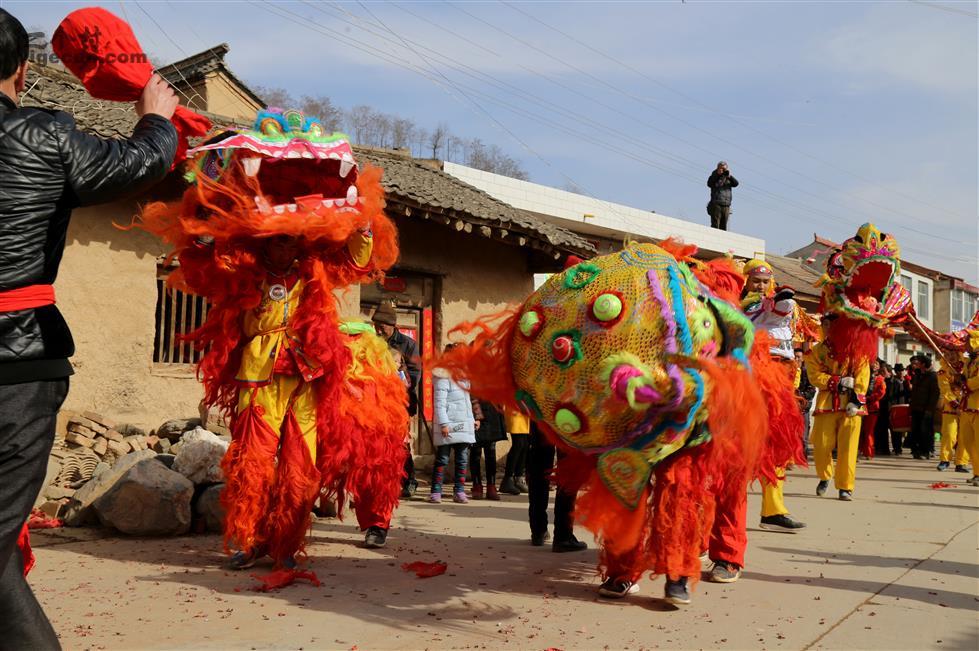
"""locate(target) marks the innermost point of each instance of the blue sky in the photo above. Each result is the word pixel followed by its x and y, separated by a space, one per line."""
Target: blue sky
pixel 830 113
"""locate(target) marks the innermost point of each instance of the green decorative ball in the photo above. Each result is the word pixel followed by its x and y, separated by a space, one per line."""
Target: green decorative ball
pixel 567 421
pixel 607 307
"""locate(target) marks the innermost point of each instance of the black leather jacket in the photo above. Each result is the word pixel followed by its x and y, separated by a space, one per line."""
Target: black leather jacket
pixel 47 168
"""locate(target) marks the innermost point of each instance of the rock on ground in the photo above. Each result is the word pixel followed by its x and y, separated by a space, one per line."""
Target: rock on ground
pixel 208 507
pixel 79 510
pixel 173 429
pixel 149 500
pixel 199 458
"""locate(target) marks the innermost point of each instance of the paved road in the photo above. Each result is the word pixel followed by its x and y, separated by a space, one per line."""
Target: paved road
pixel 897 568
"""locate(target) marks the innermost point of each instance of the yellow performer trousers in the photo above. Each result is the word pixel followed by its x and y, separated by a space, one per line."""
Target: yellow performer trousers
pixel 277 398
pixel 969 437
pixel 772 499
pixel 950 436
pixel 842 432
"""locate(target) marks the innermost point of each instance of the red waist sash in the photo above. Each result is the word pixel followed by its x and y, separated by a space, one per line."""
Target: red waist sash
pixel 25 298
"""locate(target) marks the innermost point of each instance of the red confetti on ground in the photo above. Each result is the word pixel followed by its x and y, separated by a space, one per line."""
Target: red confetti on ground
pixel 39 520
pixel 278 579
pixel 940 484
pixel 425 570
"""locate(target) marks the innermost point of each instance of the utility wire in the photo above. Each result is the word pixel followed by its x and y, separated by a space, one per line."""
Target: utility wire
pixel 628 137
pixel 394 60
pixel 832 164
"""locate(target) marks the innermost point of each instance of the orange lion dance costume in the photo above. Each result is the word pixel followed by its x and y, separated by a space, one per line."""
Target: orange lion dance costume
pixel 276 219
pixel 640 372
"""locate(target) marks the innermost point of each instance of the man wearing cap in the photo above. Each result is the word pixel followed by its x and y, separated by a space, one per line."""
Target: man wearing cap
pixel 385 323
pixel 720 183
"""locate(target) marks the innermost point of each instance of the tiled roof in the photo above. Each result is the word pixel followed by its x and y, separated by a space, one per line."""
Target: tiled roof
pixel 408 182
pixel 794 273
pixel 416 183
pixel 197 66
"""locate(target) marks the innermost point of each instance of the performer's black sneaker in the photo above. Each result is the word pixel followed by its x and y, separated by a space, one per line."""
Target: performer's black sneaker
pixel 676 592
pixel 617 588
pixel 724 573
pixel 943 466
pixel 242 560
pixel 783 523
pixel 375 538
pixel 571 544
pixel 821 487
pixel 538 539
pixel 846 496
pixel 521 484
pixel 961 468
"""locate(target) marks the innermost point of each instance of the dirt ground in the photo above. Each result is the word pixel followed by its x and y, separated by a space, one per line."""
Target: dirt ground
pixel 897 568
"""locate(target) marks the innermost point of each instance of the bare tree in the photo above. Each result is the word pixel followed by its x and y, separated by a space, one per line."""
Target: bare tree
pixel 358 121
pixel 421 139
pixel 273 96
pixel 438 139
pixel 402 132
pixel 322 107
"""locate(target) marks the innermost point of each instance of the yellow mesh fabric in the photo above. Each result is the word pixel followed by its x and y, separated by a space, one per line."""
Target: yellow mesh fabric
pixel 565 306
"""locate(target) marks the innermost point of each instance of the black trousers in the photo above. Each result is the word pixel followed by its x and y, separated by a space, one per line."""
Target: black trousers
pixel 922 433
pixel 516 458
pixel 718 215
pixel 540 464
pixel 488 450
pixel 882 446
pixel 28 413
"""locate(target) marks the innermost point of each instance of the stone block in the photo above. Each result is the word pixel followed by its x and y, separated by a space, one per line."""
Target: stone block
pixel 208 508
pixel 199 459
pixel 101 446
pixel 78 511
pixel 118 448
pixel 113 435
pixel 98 418
pixel 173 429
pixel 80 440
pixel 148 500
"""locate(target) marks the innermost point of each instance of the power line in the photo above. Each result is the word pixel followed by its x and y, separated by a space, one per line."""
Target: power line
pixel 310 24
pixel 627 136
pixel 833 164
pixel 951 10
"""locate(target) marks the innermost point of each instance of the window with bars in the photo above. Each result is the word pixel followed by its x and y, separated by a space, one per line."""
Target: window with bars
pixel 177 313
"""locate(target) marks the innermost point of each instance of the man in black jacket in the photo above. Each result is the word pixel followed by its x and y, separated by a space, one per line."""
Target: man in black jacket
pixel 47 168
pixel 386 325
pixel 925 394
pixel 720 183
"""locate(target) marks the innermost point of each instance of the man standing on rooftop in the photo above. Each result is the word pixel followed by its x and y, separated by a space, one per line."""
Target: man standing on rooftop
pixel 720 183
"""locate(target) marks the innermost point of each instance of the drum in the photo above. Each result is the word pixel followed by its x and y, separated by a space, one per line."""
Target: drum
pixel 900 418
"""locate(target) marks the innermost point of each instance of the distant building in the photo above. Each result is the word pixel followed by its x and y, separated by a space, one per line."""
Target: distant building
pixel 606 224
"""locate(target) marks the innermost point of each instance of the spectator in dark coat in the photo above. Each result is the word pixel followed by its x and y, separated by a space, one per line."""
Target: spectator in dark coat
pixel 899 394
pixel 492 428
pixel 386 325
pixel 720 183
pixel 882 446
pixel 925 395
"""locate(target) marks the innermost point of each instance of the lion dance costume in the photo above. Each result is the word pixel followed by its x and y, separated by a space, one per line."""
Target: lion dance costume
pixel 293 380
pixel 633 366
pixel 861 296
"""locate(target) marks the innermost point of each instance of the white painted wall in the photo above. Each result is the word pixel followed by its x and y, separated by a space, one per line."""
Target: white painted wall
pixel 568 210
